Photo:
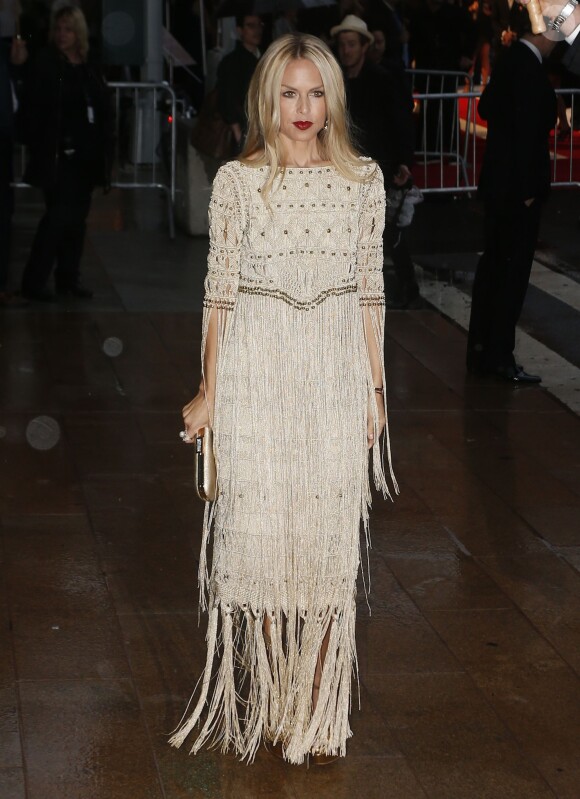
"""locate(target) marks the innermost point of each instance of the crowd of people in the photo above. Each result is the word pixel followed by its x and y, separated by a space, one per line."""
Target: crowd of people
pixel 58 105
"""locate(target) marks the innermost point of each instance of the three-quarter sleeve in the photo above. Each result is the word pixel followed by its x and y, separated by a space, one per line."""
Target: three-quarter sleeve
pixel 226 225
pixel 369 271
pixel 370 241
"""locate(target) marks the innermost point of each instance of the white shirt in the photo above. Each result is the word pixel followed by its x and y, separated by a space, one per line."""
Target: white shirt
pixel 573 35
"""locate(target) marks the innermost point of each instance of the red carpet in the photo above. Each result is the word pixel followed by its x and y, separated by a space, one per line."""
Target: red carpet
pixel 444 172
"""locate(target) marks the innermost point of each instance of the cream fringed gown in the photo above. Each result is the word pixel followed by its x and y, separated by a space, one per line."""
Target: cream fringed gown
pixel 293 384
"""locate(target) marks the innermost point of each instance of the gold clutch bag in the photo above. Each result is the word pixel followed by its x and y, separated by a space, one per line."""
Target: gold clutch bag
pixel 205 466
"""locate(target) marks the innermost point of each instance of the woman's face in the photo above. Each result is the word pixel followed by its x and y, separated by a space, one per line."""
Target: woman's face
pixel 377 48
pixel 302 101
pixel 65 38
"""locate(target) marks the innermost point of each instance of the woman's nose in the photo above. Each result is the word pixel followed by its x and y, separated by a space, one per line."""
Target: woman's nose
pixel 304 104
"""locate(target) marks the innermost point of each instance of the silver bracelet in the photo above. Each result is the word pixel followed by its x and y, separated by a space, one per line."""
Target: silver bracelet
pixel 566 12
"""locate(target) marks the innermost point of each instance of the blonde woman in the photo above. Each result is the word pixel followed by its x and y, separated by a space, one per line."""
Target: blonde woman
pixel 67 124
pixel 293 386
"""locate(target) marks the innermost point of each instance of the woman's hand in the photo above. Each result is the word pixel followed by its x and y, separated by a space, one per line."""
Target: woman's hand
pixel 370 424
pixel 195 416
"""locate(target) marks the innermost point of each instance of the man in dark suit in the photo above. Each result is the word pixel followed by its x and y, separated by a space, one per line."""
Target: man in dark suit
pixel 519 105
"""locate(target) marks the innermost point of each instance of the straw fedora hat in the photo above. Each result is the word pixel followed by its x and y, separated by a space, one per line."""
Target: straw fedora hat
pixel 354 24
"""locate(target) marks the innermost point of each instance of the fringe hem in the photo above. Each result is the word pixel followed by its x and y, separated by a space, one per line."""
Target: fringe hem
pixel 263 685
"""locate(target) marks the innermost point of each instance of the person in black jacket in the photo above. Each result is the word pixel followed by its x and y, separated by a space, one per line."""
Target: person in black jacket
pixel 519 105
pixel 380 105
pixel 12 55
pixel 66 121
pixel 235 73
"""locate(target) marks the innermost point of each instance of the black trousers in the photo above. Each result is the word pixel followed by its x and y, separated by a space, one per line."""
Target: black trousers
pixel 60 235
pixel 6 208
pixel 395 244
pixel 501 281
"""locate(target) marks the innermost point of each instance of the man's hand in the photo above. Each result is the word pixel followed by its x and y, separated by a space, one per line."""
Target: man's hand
pixel 551 9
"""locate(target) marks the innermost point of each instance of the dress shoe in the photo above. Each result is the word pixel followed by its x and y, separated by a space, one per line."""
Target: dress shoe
pixel 78 292
pixel 516 375
pixel 39 295
pixel 318 758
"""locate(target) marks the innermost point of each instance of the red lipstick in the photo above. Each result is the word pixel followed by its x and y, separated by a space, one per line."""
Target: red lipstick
pixel 303 125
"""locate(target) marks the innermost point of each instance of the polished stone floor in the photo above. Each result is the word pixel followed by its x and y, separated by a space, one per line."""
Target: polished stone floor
pixel 469 661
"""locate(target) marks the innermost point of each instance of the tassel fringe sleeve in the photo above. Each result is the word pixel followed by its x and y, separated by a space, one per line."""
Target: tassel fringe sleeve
pixel 372 300
pixel 227 220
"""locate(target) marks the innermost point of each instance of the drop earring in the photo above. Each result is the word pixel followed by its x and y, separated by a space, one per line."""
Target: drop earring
pixel 325 125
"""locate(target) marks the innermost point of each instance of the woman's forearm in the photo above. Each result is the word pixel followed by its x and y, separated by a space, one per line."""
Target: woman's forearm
pixel 372 348
pixel 210 358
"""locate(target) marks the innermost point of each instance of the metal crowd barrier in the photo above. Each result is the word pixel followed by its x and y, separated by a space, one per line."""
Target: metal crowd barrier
pixel 145 141
pixel 145 138
pixel 451 141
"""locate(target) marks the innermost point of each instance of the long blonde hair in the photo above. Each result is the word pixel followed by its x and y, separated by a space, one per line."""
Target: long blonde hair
pixel 263 146
pixel 77 20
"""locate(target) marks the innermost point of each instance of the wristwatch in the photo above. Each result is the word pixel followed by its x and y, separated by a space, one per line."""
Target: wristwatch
pixel 566 12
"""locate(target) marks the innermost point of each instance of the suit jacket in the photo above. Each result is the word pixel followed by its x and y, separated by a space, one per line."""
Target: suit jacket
pixel 571 59
pixel 380 105
pixel 519 105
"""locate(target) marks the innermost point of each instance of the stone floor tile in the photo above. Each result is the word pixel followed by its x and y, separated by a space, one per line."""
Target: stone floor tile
pixel 358 778
pixel 559 525
pixel 571 555
pixel 528 684
pixel 453 741
pixel 212 774
pixel 547 589
pixel 535 581
pixel 164 584
pixel 403 536
pixel 167 655
pixel 492 529
pixel 10 751
pixel 86 738
pixel 104 429
pixel 136 334
pixel 152 389
pixel 450 582
pixel 52 568
pixel 59 646
pixel 399 645
pixel 7 674
pixel 34 479
pixel 12 783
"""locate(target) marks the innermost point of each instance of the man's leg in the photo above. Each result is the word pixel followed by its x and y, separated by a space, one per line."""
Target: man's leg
pixel 406 288
pixel 77 198
pixel 44 247
pixel 487 279
pixel 513 284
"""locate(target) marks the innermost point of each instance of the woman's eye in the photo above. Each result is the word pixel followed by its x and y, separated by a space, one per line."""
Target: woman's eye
pixel 288 94
pixel 318 93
